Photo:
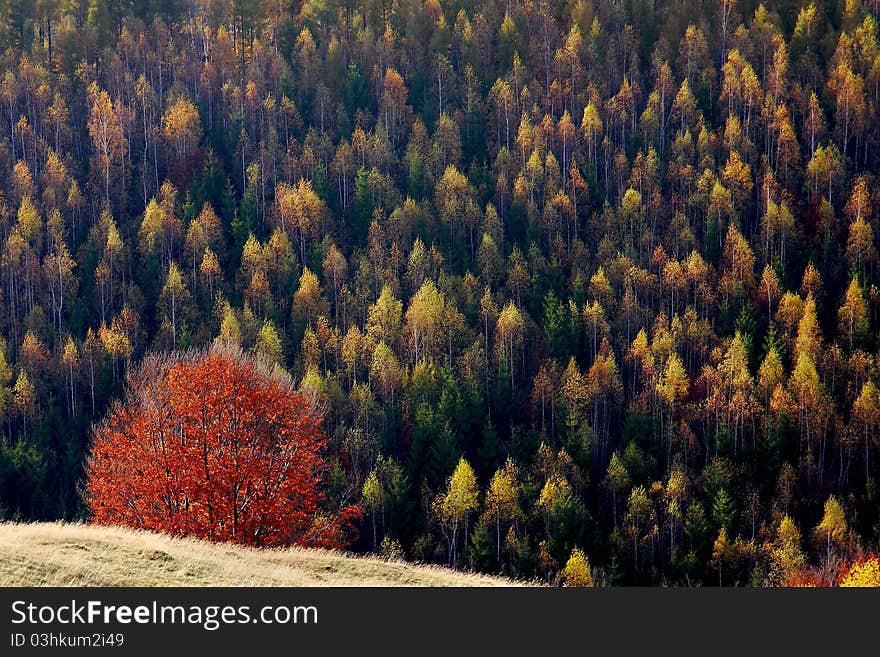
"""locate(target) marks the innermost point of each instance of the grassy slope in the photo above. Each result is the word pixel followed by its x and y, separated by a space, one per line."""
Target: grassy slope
pixel 52 554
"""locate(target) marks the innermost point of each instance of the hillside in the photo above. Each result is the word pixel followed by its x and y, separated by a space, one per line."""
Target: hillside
pixel 54 554
pixel 561 279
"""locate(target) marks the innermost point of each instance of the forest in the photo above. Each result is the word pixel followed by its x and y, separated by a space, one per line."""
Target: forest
pixel 586 291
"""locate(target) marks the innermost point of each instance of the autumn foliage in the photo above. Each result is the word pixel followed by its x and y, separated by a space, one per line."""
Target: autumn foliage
pixel 599 279
pixel 216 445
pixel 863 573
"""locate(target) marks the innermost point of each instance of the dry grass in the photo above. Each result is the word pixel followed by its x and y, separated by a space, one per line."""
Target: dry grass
pixel 55 554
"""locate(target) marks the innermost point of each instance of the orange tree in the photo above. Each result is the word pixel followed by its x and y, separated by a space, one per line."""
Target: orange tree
pixel 218 445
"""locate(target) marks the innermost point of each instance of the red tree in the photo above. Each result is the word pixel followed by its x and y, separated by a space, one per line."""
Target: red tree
pixel 215 445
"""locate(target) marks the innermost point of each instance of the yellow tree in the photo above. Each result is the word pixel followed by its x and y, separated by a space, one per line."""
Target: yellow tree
pixel 556 492
pixel 160 228
pixel 374 499
pixel 5 389
pixel 832 529
pixel 385 370
pixel 824 168
pixel 182 127
pixel 606 390
pixel 350 350
pixel 196 242
pixel 565 131
pixel 279 260
pixel 575 394
pixel 737 177
pixel 616 480
pixel 384 317
pixel 205 232
pixel 423 317
pixel 852 317
pixel 859 204
pixel 786 556
pixel 335 270
pixel 257 293
pixel 684 107
pixel 395 114
pixel 865 573
pixel 848 89
pixel 770 373
pixel 112 265
pixel 811 283
pixel 308 300
pixel 509 333
pixel 106 131
pixel 641 355
pixel 451 196
pixel 673 389
pixel 721 552
pixel 770 289
pixel 70 362
pixel 592 130
pixel 809 339
pixel 815 123
pixel 807 391
pixel 460 499
pixel 738 387
pixel 674 495
pixel 24 399
pixel 738 275
pixel 640 519
pixel 866 413
pixel 501 96
pixel 502 499
pixel 299 208
pixel 860 250
pixel 577 570
pixel 268 343
pixel 489 260
pixel 60 279
pixel 778 227
pixel 115 343
pixel 210 271
pixel 230 327
pixel 544 390
pixel 174 298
